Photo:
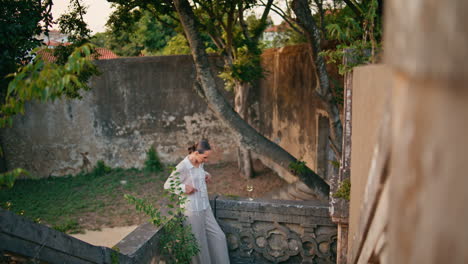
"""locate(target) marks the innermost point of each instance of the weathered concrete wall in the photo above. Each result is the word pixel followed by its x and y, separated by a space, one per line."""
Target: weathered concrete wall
pixel 288 109
pixel 149 101
pixel 136 103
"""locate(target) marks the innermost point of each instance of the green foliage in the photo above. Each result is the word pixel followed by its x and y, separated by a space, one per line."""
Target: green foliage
pixel 176 45
pixel 246 68
pixel 298 167
pixel 20 24
pixel 46 81
pixel 152 163
pixel 134 31
pixel 72 23
pixel 70 226
pixel 7 179
pixel 344 191
pixel 177 241
pixel 358 42
pixel 101 169
pixel 115 255
pixel 335 163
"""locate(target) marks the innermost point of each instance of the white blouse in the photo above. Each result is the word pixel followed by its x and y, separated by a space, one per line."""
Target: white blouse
pixel 186 173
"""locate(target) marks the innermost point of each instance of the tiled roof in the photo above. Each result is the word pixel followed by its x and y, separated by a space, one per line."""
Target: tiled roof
pixel 56 43
pixel 103 54
pixel 278 28
pixel 47 54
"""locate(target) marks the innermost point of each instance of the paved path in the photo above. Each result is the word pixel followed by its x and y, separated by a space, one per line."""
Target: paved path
pixel 108 236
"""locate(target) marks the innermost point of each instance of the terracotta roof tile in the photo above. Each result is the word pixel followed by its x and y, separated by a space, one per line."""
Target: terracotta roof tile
pixel 104 54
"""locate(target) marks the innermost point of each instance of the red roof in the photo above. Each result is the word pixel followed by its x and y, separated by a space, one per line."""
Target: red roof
pixel 278 28
pixel 103 54
pixel 56 43
pixel 47 55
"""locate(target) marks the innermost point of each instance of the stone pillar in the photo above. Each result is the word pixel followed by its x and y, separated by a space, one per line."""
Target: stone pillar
pixel 339 207
pixel 427 49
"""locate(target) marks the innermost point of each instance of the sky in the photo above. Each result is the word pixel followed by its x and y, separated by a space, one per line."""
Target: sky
pixel 99 11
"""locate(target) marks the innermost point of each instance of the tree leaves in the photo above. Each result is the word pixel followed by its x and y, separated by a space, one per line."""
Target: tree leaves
pixel 47 81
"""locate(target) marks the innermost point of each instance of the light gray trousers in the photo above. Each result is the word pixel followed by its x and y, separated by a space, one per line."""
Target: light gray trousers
pixel 211 239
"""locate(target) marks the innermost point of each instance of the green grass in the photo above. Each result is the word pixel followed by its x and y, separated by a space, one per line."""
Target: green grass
pixel 60 201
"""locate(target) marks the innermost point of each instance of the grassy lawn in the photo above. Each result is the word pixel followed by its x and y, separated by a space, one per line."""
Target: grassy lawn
pixel 84 201
pixel 90 201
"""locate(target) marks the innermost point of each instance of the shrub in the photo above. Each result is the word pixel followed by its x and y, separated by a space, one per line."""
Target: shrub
pixel 344 191
pixel 101 169
pixel 177 242
pixel 152 163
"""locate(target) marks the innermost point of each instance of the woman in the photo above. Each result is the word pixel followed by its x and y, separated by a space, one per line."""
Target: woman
pixel 193 178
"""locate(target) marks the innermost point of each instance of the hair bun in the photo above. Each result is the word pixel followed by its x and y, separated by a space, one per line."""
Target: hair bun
pixel 192 149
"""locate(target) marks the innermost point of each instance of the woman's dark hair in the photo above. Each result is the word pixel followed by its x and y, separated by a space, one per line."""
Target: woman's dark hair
pixel 201 147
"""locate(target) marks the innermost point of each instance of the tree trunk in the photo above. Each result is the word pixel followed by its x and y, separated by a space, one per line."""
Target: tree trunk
pixel 244 156
pixel 245 134
pixel 306 21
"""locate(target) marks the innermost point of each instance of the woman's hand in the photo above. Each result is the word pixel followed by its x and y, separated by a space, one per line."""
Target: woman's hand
pixel 208 178
pixel 189 189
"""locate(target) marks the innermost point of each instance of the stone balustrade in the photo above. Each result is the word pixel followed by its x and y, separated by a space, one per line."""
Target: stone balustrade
pixel 258 231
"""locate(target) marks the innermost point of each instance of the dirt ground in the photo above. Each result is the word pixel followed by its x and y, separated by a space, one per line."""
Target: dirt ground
pixel 117 212
pixel 228 181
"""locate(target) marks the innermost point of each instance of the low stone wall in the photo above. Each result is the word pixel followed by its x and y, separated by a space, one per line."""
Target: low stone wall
pixel 275 231
pixel 24 239
pixel 259 231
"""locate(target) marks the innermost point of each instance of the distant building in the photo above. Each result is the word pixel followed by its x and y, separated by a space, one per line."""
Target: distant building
pixel 275 35
pixel 102 54
pixel 56 38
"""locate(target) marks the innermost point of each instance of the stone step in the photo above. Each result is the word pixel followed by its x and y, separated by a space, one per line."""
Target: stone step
pixel 295 191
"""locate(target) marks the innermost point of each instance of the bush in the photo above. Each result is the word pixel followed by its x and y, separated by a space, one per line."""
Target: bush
pixel 101 169
pixel 344 191
pixel 177 242
pixel 152 163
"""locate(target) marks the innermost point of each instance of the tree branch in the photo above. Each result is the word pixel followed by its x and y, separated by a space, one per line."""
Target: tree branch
pixel 245 134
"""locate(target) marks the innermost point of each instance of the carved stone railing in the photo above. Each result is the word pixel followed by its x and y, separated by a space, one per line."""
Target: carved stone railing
pixel 259 231
pixel 275 231
pixel 24 241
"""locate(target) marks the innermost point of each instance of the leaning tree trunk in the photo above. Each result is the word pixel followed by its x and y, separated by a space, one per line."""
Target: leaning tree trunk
pixel 246 135
pixel 306 21
pixel 244 157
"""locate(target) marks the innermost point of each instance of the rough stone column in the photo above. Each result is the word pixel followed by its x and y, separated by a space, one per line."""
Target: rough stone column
pixel 427 48
pixel 339 207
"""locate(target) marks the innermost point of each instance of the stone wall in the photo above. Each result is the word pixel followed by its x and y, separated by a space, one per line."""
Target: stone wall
pixel 136 103
pixel 149 101
pixel 273 231
pixel 285 108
